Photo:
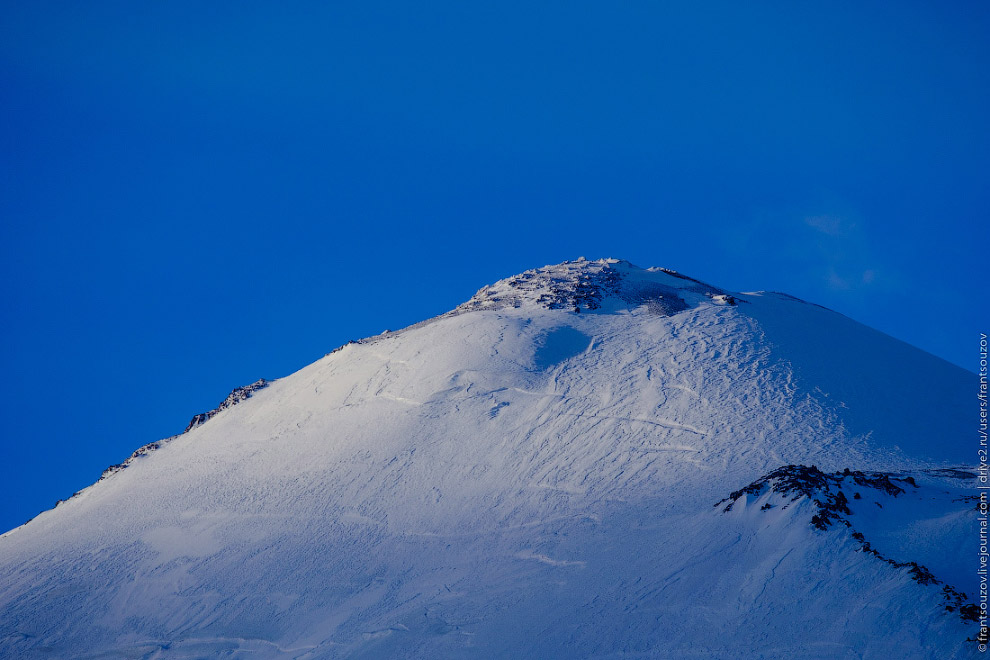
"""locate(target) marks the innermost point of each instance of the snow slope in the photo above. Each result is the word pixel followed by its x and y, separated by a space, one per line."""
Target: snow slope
pixel 540 473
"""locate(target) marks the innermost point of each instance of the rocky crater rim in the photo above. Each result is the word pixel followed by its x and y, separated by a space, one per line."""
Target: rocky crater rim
pixel 603 285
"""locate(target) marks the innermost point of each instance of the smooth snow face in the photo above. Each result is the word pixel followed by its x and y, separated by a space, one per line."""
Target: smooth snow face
pixel 517 481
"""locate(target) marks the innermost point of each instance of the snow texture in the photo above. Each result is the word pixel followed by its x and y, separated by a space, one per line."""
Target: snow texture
pixel 532 475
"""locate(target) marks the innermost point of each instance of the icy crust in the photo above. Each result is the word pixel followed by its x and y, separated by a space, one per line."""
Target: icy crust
pixel 791 484
pixel 602 285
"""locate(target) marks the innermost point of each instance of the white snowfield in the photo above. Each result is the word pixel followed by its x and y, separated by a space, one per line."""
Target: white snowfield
pixel 516 479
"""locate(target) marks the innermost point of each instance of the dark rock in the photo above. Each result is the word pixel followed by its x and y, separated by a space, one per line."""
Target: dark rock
pixel 239 394
pixel 832 506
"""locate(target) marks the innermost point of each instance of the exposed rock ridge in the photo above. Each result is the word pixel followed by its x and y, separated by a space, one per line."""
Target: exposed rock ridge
pixel 825 491
pixel 584 285
pixel 239 394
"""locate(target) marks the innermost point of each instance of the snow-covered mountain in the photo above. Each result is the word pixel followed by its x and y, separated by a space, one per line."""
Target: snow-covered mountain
pixel 587 460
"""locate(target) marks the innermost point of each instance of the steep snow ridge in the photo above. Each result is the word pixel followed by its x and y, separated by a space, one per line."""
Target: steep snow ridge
pixel 514 479
pixel 236 396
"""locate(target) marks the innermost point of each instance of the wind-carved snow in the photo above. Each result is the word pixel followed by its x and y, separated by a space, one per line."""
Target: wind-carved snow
pixel 517 479
pixel 543 559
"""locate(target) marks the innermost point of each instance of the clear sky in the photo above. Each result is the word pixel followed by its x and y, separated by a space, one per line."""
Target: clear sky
pixel 195 195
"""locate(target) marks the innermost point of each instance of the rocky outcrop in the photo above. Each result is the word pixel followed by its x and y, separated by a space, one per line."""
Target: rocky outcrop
pixel 832 507
pixel 235 397
pixel 584 285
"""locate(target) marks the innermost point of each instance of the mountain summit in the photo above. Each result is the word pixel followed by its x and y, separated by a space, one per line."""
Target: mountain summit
pixel 605 285
pixel 583 460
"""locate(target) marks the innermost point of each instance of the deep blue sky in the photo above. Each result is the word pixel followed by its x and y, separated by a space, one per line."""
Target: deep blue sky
pixel 194 195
